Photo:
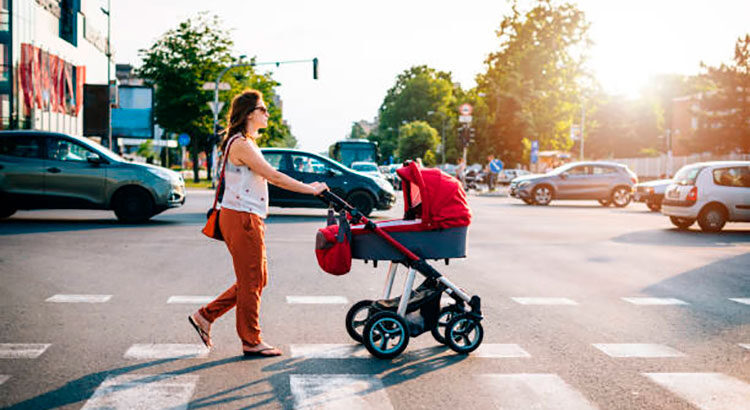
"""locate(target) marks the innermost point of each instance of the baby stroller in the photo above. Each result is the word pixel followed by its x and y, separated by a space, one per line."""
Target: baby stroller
pixel 434 227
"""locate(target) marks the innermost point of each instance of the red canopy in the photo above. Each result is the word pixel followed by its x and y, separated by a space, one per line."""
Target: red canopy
pixel 442 199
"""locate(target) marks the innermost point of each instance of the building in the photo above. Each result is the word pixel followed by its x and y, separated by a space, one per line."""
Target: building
pixel 51 50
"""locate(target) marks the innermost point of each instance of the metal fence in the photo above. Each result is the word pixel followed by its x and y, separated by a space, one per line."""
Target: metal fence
pixel 657 167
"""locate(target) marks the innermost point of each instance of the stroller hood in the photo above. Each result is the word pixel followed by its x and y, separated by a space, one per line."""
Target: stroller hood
pixel 434 196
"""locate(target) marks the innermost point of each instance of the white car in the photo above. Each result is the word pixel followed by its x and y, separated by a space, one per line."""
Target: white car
pixel 369 168
pixel 508 175
pixel 713 193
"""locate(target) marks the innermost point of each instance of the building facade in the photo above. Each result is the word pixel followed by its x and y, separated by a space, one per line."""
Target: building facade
pixel 50 50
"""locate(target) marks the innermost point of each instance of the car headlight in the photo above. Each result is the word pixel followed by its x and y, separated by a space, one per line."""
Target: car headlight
pixel 162 173
pixel 384 185
pixel 523 184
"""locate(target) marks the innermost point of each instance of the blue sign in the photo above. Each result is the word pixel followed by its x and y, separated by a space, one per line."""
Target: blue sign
pixel 534 151
pixel 183 139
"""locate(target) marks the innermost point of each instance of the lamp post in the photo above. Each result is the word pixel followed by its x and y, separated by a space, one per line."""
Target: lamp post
pixel 109 76
pixel 442 133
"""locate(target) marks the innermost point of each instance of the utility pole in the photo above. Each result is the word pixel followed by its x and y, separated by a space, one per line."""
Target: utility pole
pixel 109 76
pixel 583 121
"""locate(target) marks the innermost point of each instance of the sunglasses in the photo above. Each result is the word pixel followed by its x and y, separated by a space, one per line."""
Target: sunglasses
pixel 262 109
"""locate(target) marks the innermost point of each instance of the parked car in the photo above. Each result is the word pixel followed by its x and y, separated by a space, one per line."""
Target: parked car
pixel 361 190
pixel 513 187
pixel 508 175
pixel 43 170
pixel 713 193
pixel 389 171
pixel 606 182
pixel 369 168
pixel 651 192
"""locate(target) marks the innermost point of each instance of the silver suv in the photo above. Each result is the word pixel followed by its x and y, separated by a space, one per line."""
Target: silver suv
pixel 41 170
pixel 607 182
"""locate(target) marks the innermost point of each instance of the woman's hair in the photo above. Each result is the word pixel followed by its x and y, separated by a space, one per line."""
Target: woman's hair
pixel 242 106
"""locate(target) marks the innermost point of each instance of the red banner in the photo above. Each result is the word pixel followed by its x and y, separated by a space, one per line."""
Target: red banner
pixel 80 80
pixel 25 70
pixel 49 82
pixel 37 75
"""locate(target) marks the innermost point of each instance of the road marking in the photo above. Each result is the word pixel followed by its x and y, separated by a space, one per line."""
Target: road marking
pixel 708 391
pixel 646 350
pixel 744 301
pixel 655 301
pixel 338 391
pixel 4 378
pixel 79 298
pixel 326 300
pixel 329 351
pixel 22 350
pixel 497 351
pixel 533 391
pixel 545 301
pixel 197 300
pixel 165 351
pixel 745 345
pixel 143 391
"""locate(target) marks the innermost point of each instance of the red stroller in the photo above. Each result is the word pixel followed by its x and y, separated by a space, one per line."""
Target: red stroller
pixel 434 227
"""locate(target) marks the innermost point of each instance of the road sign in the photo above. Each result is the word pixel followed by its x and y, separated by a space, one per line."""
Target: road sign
pixel 183 139
pixel 534 151
pixel 213 109
pixel 575 132
pixel 465 109
pixel 464 118
pixel 212 86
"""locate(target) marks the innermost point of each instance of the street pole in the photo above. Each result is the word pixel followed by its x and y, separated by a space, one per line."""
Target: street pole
pixel 442 141
pixel 669 152
pixel 583 121
pixel 109 76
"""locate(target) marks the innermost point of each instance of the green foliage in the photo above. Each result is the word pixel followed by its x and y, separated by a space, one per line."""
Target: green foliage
pixel 416 139
pixel 146 150
pixel 181 61
pixel 430 160
pixel 357 132
pixel 534 83
pixel 421 93
pixel 725 112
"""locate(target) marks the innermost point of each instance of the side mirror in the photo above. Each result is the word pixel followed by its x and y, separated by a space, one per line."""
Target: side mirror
pixel 94 158
pixel 564 175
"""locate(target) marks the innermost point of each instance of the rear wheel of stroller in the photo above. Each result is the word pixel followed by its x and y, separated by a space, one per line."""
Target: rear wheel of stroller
pixel 357 317
pixel 386 335
pixel 464 333
pixel 446 315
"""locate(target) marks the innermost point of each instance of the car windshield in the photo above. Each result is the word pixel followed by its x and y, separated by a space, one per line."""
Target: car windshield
pixel 104 150
pixel 561 169
pixel 687 175
pixel 365 167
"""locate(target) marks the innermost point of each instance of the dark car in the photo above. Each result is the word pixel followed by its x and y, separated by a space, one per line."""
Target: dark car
pixel 361 190
pixel 607 182
pixel 651 192
pixel 49 170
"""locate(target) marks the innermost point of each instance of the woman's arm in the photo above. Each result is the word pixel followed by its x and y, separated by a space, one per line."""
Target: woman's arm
pixel 244 154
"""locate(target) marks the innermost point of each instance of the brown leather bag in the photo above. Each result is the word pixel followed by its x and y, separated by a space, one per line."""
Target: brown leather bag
pixel 212 229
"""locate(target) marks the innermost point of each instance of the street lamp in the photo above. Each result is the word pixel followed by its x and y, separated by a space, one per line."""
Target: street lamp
pixel 442 132
pixel 109 76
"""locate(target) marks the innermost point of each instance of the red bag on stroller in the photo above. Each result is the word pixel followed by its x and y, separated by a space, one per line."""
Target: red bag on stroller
pixel 333 245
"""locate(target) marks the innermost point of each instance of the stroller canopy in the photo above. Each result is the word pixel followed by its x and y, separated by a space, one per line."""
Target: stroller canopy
pixel 434 196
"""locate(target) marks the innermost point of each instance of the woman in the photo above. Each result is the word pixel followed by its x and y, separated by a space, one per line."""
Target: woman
pixel 243 207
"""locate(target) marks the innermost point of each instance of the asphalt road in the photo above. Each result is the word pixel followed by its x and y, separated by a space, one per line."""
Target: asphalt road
pixel 585 346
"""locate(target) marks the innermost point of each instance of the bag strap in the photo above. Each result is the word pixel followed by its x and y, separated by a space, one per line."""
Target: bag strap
pixel 345 232
pixel 223 166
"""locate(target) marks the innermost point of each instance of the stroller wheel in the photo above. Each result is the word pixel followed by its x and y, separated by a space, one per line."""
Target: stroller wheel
pixel 464 333
pixel 356 318
pixel 386 335
pixel 446 314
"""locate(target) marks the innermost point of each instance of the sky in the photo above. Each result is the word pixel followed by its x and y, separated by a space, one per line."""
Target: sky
pixel 363 45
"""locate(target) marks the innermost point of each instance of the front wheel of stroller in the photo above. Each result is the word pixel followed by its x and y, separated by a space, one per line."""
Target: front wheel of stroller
pixel 464 333
pixel 356 318
pixel 386 335
pixel 444 317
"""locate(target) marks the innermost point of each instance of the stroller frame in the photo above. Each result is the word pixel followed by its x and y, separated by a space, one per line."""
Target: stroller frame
pixel 414 264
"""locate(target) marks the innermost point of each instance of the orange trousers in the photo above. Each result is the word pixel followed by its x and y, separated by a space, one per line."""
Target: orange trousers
pixel 244 234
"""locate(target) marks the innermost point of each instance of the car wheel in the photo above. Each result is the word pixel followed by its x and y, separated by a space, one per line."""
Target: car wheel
pixel 133 206
pixel 654 206
pixel 542 195
pixel 6 210
pixel 681 223
pixel 621 196
pixel 604 202
pixel 527 201
pixel 362 201
pixel 712 218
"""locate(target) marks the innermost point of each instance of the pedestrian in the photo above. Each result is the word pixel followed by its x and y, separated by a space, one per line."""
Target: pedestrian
pixel 493 168
pixel 461 171
pixel 243 208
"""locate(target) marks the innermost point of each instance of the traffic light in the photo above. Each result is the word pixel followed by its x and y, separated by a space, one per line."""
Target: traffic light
pixel 464 136
pixel 472 134
pixel 315 68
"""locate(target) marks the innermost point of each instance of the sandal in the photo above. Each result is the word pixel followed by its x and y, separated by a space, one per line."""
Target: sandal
pixel 205 337
pixel 265 352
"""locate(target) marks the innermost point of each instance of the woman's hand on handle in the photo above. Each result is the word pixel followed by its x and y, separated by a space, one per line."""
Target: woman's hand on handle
pixel 318 187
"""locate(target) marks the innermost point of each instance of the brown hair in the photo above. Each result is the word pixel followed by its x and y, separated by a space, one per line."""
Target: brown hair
pixel 242 105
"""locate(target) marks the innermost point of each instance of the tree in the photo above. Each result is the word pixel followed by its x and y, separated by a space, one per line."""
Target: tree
pixel 180 62
pixel 357 131
pixel 421 93
pixel 146 150
pixel 534 83
pixel 416 139
pixel 725 112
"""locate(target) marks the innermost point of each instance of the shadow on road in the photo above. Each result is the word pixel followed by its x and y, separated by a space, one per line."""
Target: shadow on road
pixel 409 366
pixel 676 237
pixel 20 226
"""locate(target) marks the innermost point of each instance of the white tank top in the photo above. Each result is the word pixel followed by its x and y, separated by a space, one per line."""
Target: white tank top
pixel 244 190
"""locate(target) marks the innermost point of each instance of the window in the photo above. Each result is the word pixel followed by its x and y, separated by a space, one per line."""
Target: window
pixel 303 163
pixel 735 177
pixel 63 150
pixel 582 170
pixel 603 170
pixel 24 146
pixel 274 159
pixel 687 175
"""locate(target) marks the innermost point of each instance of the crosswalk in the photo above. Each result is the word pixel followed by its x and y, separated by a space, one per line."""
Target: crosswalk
pixel 513 390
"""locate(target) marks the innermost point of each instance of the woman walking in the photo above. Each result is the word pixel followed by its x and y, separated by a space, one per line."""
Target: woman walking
pixel 243 208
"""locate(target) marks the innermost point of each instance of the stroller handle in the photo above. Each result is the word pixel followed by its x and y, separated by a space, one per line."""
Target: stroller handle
pixel 330 198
